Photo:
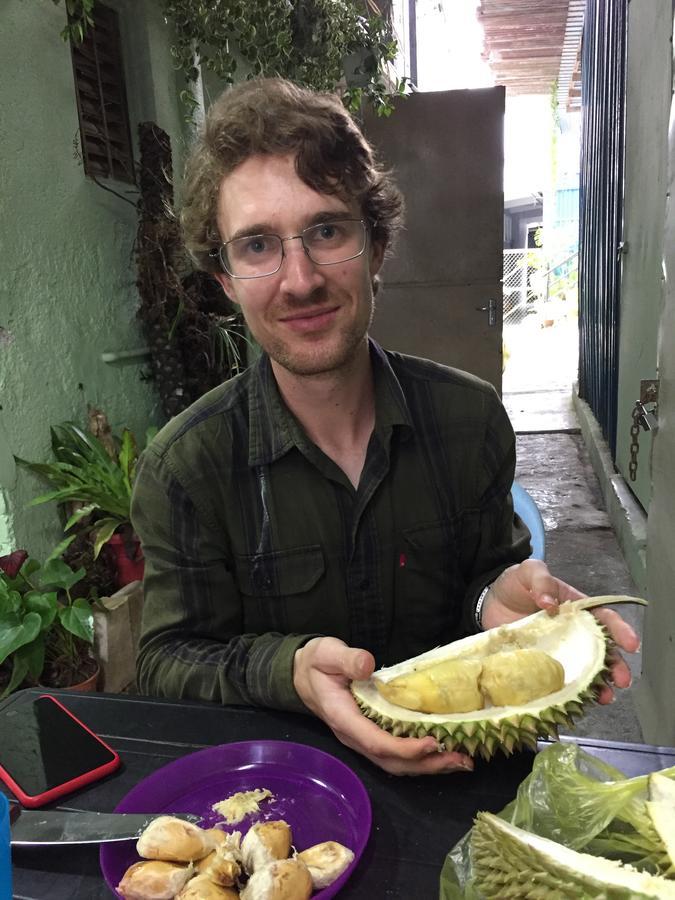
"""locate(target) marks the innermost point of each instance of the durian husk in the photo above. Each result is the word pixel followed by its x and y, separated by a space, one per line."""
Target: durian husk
pixel 512 864
pixel 573 636
pixel 661 811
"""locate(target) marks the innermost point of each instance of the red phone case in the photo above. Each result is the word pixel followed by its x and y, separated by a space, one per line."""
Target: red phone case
pixel 33 801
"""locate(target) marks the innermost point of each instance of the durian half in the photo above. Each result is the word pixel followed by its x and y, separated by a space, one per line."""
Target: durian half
pixel 574 637
pixel 511 863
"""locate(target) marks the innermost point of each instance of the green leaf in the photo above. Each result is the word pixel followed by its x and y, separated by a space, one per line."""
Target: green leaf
pixel 19 672
pixel 77 516
pixel 10 604
pixel 15 632
pixel 104 530
pixel 60 548
pixel 56 574
pixel 127 455
pixel 33 656
pixel 45 605
pixel 78 619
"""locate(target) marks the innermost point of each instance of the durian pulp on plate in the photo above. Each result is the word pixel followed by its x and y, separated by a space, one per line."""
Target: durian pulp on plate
pixel 573 637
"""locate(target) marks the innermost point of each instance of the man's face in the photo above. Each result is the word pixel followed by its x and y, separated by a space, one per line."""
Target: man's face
pixel 310 319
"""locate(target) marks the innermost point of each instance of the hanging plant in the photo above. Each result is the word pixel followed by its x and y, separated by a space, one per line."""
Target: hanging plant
pixel 307 42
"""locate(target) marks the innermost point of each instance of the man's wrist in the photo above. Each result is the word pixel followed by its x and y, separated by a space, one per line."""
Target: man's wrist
pixel 478 609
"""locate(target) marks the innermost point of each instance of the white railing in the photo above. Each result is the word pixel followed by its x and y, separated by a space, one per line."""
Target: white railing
pixel 531 284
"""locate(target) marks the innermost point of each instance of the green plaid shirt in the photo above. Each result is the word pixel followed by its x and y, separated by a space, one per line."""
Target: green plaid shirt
pixel 255 540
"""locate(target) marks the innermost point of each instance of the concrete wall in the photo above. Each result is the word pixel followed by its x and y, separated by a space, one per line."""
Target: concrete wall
pixel 647 338
pixel 656 697
pixel 648 93
pixel 67 290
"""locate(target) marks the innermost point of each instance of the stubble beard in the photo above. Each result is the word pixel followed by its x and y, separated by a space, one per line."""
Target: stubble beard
pixel 321 361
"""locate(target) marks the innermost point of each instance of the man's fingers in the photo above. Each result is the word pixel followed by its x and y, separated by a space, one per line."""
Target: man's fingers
pixel 334 657
pixel 406 756
pixel 621 632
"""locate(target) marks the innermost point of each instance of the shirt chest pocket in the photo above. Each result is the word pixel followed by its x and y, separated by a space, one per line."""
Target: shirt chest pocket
pixel 430 551
pixel 278 589
pixel 428 584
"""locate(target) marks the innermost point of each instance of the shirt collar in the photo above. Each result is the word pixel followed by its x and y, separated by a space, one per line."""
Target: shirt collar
pixel 273 430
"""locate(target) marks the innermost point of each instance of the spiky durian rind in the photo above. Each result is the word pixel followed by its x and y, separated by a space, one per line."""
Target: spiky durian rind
pixel 484 732
pixel 509 862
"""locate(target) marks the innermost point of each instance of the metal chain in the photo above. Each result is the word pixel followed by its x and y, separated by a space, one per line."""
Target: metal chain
pixel 634 446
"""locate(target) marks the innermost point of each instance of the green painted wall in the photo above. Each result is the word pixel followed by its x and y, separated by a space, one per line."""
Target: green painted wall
pixel 648 93
pixel 67 290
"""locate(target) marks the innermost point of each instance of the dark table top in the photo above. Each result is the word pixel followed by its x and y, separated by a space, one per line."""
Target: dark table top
pixel 415 820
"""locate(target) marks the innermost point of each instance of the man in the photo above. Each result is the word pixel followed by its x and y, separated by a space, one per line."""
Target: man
pixel 336 507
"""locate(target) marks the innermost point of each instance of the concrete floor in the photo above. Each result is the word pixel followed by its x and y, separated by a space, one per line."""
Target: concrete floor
pixel 581 547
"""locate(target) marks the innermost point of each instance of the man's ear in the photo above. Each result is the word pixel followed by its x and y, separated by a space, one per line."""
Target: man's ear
pixel 376 257
pixel 226 283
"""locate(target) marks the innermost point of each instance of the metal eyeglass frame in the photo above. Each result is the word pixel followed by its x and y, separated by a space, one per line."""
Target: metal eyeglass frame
pixel 221 249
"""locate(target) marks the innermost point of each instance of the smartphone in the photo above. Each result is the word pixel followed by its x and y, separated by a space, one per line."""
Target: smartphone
pixel 46 751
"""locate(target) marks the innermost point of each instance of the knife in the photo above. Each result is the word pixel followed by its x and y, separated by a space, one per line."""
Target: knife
pixel 37 827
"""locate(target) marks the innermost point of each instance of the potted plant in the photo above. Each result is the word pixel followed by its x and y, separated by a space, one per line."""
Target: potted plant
pixel 46 633
pixel 98 484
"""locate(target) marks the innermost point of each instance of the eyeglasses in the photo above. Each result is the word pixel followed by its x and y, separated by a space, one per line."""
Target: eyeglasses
pixel 326 244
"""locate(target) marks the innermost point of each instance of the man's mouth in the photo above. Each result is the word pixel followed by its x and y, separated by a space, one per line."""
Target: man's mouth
pixel 310 319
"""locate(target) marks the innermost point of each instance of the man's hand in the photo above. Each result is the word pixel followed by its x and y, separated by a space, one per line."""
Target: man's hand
pixel 322 671
pixel 527 587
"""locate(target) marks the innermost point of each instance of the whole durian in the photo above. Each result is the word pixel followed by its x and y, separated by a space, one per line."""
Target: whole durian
pixel 546 666
pixel 509 862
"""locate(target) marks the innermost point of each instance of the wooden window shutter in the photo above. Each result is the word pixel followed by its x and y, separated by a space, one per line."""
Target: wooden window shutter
pixel 102 100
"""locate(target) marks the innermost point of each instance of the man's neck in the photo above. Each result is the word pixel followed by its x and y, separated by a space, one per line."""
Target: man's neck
pixel 336 409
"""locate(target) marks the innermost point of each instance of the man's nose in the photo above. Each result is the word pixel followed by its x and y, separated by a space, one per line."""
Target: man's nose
pixel 299 274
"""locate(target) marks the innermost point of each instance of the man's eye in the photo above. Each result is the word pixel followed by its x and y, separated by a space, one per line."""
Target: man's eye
pixel 257 245
pixel 326 232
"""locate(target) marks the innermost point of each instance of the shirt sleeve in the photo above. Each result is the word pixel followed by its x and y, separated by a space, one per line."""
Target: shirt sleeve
pixel 501 537
pixel 192 645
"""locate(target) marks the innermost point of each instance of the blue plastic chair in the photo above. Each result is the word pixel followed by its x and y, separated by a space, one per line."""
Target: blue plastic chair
pixel 528 511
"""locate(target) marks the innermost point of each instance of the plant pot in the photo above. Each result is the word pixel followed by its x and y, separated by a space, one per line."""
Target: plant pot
pixel 88 686
pixel 128 558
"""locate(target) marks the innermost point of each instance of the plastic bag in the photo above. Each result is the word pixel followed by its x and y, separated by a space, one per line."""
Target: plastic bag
pixel 575 799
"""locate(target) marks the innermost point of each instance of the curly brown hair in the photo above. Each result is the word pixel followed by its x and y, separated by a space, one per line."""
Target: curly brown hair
pixel 275 116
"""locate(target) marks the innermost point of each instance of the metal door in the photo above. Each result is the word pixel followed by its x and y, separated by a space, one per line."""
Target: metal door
pixel 442 292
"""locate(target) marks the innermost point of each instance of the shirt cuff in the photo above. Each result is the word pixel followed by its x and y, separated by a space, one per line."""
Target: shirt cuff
pixel 282 689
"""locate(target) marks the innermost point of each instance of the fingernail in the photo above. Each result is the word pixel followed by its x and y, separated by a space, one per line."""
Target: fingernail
pixel 547 600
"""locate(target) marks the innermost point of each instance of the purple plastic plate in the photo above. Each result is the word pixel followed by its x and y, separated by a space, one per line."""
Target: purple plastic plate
pixel 319 797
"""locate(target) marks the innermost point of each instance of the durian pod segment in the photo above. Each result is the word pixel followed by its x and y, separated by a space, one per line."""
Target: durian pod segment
pixel 264 843
pixel 449 686
pixel 519 676
pixel 510 863
pixel 326 862
pixel 174 840
pixel 153 880
pixel 285 879
pixel 574 637
pixel 201 888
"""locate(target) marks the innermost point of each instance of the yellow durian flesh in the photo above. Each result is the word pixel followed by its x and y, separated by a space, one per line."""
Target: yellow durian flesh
pixel 514 677
pixel 446 687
